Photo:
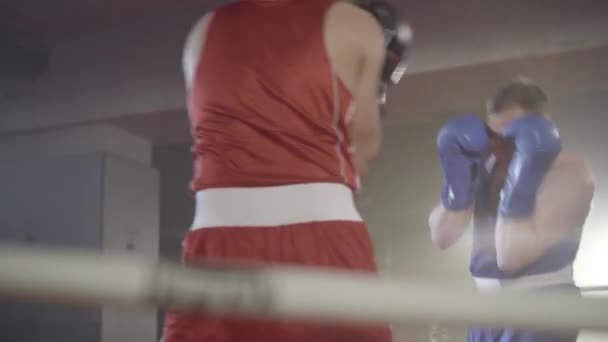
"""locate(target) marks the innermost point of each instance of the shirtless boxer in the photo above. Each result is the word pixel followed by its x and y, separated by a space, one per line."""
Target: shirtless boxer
pixel 284 109
pixel 527 196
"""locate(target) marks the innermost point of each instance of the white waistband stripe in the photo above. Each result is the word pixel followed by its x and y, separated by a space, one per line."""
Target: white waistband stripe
pixel 274 206
pixel 560 277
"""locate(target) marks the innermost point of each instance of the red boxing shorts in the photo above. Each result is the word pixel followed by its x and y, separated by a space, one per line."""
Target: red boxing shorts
pixel 273 229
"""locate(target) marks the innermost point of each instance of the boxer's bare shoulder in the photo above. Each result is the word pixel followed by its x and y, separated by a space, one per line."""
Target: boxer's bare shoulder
pixel 570 167
pixel 565 196
pixel 193 47
pixel 353 38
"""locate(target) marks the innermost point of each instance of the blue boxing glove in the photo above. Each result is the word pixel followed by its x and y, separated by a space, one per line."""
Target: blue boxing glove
pixel 462 143
pixel 537 144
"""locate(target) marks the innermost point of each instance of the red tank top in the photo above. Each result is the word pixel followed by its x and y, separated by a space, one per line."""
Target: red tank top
pixel 265 107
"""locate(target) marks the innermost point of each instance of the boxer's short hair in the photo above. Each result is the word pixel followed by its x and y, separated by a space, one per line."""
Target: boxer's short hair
pixel 520 92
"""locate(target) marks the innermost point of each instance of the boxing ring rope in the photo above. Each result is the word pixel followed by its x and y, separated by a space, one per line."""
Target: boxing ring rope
pixel 87 277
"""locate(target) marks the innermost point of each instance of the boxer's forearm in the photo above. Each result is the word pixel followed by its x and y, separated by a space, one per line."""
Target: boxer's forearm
pixel 520 242
pixel 367 141
pixel 562 205
pixel 447 226
pixel 517 243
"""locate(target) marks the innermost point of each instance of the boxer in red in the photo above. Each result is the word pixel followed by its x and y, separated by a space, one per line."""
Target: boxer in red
pixel 283 98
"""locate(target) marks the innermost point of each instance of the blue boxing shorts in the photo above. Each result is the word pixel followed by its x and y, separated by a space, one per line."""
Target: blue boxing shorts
pixel 478 334
pixel 485 334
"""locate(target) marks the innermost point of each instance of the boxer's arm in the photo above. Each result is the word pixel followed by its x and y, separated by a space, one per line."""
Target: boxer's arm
pixel 366 127
pixel 562 204
pixel 193 48
pixel 356 48
pixel 447 226
pixel 461 142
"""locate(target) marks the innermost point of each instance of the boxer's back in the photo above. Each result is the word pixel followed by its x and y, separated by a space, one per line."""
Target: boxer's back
pixel 265 106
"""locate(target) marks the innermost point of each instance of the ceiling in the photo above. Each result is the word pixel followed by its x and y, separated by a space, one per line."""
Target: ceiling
pixel 67 16
pixel 447 33
pixel 458 36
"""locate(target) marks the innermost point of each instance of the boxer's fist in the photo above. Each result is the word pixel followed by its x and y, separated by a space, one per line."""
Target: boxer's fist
pixel 462 143
pixel 537 144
